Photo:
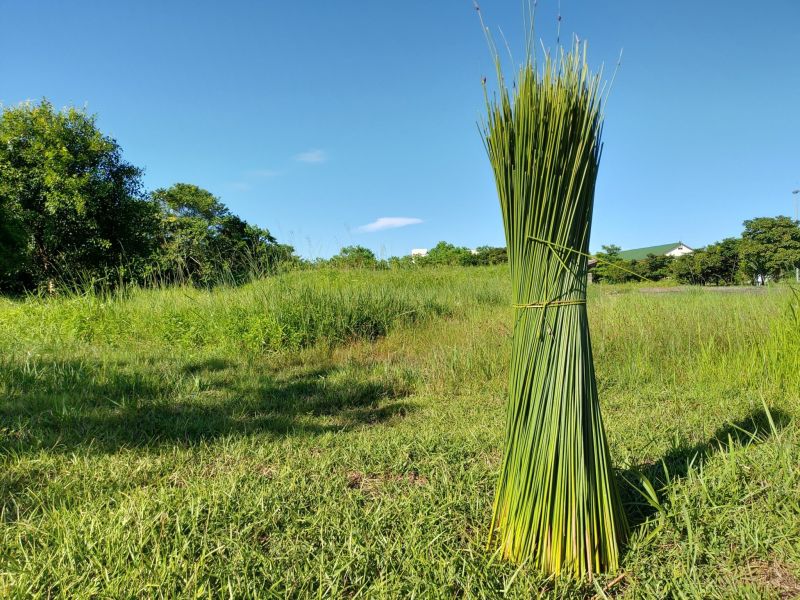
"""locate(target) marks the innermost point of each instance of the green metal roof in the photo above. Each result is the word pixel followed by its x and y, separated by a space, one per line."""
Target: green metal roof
pixel 640 253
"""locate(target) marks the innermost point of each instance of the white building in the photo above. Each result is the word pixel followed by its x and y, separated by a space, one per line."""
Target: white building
pixel 680 250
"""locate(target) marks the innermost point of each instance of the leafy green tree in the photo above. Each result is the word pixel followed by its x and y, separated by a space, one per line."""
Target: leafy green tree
pixel 770 247
pixel 190 218
pixel 201 241
pixel 606 270
pixel 403 262
pixel 355 257
pixel 188 201
pixel 688 268
pixel 70 205
pixel 488 255
pixel 720 262
pixel 13 247
pixel 444 253
pixel 242 250
pixel 652 267
pixel 717 264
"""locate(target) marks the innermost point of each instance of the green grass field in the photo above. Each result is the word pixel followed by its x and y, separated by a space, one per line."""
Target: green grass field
pixel 338 434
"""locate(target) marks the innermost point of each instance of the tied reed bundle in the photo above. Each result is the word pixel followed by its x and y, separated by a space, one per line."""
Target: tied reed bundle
pixel 557 507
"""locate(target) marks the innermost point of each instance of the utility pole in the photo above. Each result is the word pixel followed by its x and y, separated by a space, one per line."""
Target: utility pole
pixel 796 219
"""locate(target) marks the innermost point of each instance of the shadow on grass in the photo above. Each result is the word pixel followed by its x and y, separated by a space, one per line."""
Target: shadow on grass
pixel 676 463
pixel 66 405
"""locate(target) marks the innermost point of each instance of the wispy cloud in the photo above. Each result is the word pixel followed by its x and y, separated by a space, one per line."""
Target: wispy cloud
pixel 312 156
pixel 241 186
pixel 388 223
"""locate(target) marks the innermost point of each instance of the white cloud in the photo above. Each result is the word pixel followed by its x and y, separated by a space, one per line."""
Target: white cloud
pixel 312 156
pixel 388 223
pixel 241 186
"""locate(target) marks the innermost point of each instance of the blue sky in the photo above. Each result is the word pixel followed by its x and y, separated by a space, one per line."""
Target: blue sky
pixel 316 119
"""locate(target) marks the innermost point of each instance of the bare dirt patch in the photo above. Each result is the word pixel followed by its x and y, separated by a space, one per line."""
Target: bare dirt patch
pixel 774 577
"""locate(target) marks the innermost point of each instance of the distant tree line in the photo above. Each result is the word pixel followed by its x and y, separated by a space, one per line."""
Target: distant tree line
pixel 768 250
pixel 442 254
pixel 73 210
pixel 445 254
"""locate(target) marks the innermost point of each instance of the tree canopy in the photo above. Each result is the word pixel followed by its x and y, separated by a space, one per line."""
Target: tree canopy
pixel 355 257
pixel 715 264
pixel 71 210
pixel 770 247
pixel 70 205
pixel 445 253
pixel 200 240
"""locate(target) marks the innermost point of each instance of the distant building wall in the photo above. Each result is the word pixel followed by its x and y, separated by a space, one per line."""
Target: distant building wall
pixel 680 250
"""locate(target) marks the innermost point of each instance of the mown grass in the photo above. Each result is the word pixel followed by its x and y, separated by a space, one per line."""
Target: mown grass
pixel 338 434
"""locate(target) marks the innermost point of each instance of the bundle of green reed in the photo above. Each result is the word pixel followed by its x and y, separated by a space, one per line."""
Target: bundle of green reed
pixel 557 507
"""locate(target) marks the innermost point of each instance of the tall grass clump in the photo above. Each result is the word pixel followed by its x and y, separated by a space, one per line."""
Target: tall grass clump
pixel 284 313
pixel 556 507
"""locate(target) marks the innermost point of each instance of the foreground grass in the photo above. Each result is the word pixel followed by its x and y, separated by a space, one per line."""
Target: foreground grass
pixel 338 434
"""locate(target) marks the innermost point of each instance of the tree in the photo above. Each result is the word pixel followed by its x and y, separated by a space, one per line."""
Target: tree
pixel 355 257
pixel 13 242
pixel 444 253
pixel 403 262
pixel 188 201
pixel 719 263
pixel 687 268
pixel 70 205
pixel 190 218
pixel 652 267
pixel 201 241
pixel 770 247
pixel 607 270
pixel 488 255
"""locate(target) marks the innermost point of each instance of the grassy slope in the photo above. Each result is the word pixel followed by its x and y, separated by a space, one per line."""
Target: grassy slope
pixel 335 434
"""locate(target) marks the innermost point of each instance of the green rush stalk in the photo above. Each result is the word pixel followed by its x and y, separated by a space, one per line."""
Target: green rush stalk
pixel 557 507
